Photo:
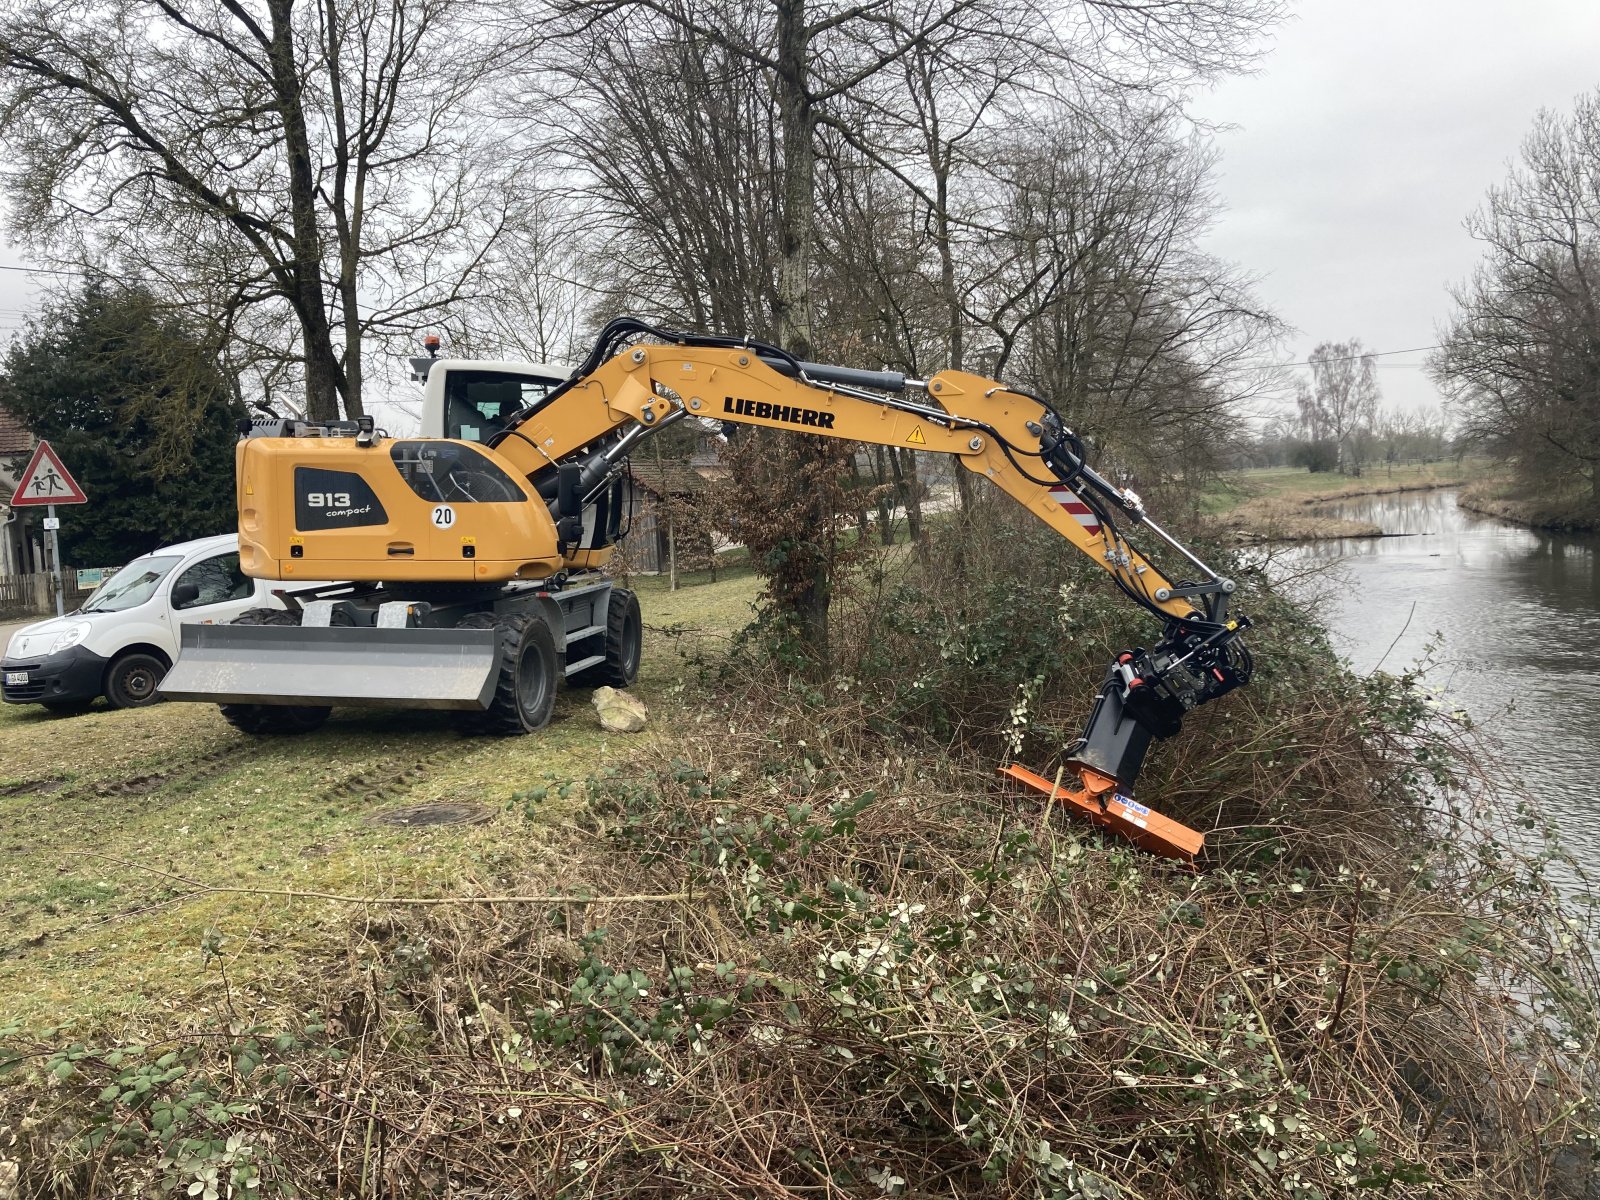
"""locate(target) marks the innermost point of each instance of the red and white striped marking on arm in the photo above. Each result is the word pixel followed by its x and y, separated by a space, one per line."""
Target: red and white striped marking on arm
pixel 1080 511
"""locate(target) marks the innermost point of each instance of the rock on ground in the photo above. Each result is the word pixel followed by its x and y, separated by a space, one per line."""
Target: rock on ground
pixel 619 712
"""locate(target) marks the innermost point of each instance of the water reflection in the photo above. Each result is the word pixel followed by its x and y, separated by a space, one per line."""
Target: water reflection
pixel 1517 612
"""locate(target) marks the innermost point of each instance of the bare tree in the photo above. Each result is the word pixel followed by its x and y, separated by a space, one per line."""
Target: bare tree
pixel 673 136
pixel 1093 290
pixel 904 86
pixel 280 165
pixel 807 56
pixel 1311 415
pixel 1521 359
pixel 1345 395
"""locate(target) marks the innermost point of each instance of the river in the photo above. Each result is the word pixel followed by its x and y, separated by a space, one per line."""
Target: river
pixel 1516 613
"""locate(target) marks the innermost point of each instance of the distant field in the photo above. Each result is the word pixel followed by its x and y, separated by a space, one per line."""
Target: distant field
pixel 94 808
pixel 1278 503
pixel 1296 483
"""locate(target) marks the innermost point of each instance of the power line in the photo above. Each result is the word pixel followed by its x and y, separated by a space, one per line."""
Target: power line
pixel 1369 354
pixel 43 271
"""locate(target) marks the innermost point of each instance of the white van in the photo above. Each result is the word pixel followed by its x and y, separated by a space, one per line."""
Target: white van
pixel 123 639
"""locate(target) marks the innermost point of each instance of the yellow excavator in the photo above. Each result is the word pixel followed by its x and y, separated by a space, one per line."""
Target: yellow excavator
pixel 479 557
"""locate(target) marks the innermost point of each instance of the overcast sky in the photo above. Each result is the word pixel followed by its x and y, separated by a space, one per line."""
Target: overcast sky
pixel 1371 130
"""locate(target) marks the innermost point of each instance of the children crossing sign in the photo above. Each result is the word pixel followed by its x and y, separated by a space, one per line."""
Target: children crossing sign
pixel 46 481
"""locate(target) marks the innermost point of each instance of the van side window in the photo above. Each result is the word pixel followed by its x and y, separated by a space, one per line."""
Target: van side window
pixel 218 578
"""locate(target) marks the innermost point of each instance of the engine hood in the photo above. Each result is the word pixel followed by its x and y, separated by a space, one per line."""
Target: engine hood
pixel 34 641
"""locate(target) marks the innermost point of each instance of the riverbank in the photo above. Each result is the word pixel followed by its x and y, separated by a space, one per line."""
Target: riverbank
pixel 1497 498
pixel 1280 504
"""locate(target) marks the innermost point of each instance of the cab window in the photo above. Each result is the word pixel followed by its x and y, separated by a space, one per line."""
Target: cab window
pixel 479 404
pixel 217 579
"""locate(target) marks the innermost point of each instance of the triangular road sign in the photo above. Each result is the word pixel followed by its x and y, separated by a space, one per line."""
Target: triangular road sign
pixel 46 481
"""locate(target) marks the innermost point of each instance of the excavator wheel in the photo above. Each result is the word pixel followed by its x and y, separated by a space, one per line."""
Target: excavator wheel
pixel 525 692
pixel 275 719
pixel 624 643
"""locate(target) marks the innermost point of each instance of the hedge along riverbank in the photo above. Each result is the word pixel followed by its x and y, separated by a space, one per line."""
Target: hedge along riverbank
pixel 1498 498
pixel 863 970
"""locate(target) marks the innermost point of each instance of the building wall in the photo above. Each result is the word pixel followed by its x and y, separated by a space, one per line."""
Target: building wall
pixel 16 552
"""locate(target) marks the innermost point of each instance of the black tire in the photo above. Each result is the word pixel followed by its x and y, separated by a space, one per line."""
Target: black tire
pixel 624 645
pixel 525 692
pixel 273 720
pixel 132 679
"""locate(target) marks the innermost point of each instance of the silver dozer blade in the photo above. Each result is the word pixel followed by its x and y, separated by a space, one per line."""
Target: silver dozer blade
pixel 379 668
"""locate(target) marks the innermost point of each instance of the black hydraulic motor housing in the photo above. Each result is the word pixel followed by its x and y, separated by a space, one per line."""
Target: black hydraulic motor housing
pixel 1146 693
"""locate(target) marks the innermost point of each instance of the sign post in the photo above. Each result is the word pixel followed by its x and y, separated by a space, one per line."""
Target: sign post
pixel 52 526
pixel 46 481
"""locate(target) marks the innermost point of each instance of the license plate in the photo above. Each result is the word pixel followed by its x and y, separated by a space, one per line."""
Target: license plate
pixel 16 678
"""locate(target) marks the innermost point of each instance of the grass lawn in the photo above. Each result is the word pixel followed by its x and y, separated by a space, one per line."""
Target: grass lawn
pixel 92 807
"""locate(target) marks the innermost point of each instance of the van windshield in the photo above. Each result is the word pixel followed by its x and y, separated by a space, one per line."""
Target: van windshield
pixel 131 586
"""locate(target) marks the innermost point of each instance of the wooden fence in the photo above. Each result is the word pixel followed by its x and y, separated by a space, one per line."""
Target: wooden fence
pixel 24 595
pixel 34 595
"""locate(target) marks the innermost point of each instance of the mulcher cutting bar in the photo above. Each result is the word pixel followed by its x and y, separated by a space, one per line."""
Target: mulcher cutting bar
pixel 1095 796
pixel 390 668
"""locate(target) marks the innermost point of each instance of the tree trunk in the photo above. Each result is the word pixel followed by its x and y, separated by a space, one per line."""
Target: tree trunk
pixel 955 325
pixel 349 205
pixel 808 584
pixel 672 556
pixel 324 378
pixel 886 497
pixel 909 487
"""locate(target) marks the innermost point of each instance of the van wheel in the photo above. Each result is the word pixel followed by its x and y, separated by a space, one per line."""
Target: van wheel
pixel 132 680
pixel 273 720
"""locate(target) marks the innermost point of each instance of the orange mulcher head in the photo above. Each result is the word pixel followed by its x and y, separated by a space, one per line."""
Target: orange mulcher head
pixel 1095 796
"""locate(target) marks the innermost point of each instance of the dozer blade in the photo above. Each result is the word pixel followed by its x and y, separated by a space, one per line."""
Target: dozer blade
pixel 387 668
pixel 1095 797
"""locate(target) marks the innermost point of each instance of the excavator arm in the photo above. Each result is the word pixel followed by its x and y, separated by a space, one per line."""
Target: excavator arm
pixel 459 542
pixel 1011 438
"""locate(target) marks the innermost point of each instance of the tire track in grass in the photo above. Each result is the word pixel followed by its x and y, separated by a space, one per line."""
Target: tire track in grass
pixel 194 771
pixel 369 782
pixel 53 911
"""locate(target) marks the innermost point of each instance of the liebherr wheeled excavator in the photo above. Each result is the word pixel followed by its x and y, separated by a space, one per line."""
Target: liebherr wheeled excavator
pixel 480 555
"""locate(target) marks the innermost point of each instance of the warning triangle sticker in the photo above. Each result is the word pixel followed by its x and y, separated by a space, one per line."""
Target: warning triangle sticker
pixel 916 438
pixel 47 481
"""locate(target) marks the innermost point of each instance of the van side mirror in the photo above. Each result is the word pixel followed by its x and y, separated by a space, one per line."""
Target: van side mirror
pixel 185 595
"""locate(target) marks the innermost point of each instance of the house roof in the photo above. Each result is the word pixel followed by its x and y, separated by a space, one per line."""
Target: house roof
pixel 14 438
pixel 666 479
